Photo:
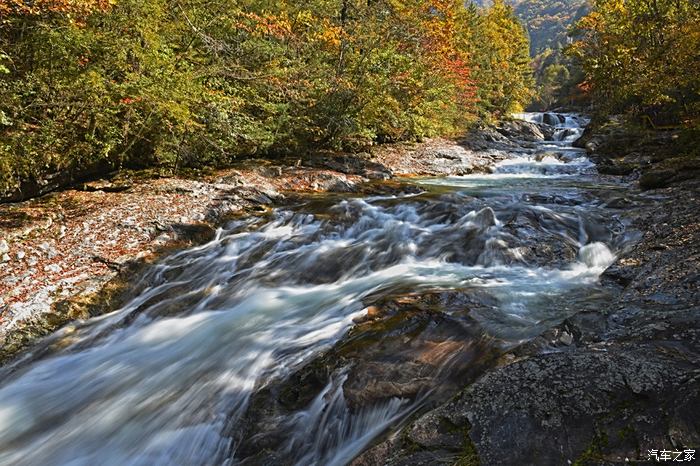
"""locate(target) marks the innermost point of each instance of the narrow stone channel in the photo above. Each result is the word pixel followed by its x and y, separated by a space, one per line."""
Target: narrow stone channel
pixel 186 371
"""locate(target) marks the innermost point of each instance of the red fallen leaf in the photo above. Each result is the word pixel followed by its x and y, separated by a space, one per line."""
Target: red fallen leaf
pixel 130 100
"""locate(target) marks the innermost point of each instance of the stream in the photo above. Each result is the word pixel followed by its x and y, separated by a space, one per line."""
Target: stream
pixel 169 377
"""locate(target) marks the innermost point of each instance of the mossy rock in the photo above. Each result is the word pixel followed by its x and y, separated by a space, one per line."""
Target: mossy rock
pixel 655 179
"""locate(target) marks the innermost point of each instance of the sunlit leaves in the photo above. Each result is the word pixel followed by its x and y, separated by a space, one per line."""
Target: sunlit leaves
pixel 75 8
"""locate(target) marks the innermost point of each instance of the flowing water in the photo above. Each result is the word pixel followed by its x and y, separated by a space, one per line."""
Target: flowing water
pixel 166 378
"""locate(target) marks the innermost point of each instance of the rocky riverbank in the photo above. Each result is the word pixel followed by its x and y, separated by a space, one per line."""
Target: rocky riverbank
pixel 605 386
pixel 655 158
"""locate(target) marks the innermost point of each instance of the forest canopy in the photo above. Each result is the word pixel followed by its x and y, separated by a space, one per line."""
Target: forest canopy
pixel 642 57
pixel 102 84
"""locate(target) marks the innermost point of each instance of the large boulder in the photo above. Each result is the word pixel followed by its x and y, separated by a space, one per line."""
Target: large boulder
pixel 590 407
pixel 553 119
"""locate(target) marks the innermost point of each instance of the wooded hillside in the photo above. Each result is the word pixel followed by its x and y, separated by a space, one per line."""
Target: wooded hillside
pixel 95 85
pixel 548 21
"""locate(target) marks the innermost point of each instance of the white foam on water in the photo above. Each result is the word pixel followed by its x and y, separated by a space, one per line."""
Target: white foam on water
pixel 596 255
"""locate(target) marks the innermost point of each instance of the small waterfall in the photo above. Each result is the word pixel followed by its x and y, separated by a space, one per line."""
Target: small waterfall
pixel 328 433
pixel 596 255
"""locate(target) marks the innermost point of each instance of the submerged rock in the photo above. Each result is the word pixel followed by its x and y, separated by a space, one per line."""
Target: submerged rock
pixel 552 119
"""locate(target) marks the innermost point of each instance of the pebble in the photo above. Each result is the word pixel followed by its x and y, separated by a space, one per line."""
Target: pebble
pixel 566 338
pixel 20 255
pixel 48 249
pixel 161 239
pixel 4 247
pixel 373 311
pixel 55 268
pixel 5 258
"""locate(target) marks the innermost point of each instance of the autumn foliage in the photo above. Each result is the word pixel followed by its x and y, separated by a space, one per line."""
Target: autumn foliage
pixel 77 8
pixel 102 84
pixel 642 57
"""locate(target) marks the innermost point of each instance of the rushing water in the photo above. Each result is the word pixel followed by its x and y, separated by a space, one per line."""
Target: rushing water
pixel 162 380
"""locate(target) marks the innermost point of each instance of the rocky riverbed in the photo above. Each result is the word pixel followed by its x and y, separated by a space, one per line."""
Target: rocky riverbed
pixel 608 385
pixel 605 386
pixel 618 376
pixel 70 254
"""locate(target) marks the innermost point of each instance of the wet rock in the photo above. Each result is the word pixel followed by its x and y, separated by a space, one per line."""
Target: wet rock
pixel 619 203
pixel 656 179
pixel 566 407
pixel 398 353
pixel 561 135
pixel 566 338
pixel 552 119
pixel 198 233
pixel 332 183
pixel 524 130
pixel 486 217
pixel 619 275
pixel 373 312
pixel 513 135
pixel 538 245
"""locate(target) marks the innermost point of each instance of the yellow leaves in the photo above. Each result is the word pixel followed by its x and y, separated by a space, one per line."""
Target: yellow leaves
pixel 592 21
pixel 264 24
pixel 305 18
pixel 617 6
pixel 329 35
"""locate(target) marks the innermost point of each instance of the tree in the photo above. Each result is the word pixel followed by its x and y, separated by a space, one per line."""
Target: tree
pixel 502 62
pixel 641 56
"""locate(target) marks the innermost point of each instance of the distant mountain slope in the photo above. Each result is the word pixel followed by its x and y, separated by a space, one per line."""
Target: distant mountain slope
pixel 547 20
